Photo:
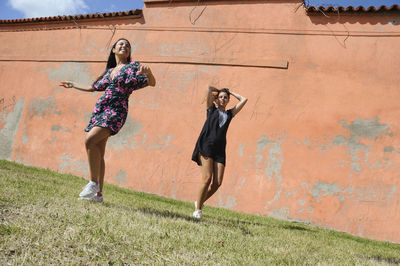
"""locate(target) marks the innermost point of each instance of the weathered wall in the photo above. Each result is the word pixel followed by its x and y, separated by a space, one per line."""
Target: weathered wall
pixel 318 141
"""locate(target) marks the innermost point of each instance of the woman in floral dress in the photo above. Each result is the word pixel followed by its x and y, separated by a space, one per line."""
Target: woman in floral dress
pixel 121 77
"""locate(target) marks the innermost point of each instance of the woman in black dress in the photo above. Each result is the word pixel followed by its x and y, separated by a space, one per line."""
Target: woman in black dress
pixel 209 152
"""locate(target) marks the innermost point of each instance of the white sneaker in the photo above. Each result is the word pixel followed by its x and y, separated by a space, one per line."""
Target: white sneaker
pixel 95 198
pixel 89 191
pixel 197 214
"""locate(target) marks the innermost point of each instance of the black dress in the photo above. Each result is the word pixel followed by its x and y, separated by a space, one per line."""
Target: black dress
pixel 212 140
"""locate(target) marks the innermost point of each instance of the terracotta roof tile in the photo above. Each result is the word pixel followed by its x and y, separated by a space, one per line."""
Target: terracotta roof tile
pixel 136 12
pixel 352 9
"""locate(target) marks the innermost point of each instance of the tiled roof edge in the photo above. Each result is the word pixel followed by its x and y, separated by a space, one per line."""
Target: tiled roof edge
pixel 353 9
pixel 133 12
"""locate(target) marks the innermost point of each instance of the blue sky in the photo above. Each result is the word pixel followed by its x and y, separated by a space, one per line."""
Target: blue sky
pixel 18 9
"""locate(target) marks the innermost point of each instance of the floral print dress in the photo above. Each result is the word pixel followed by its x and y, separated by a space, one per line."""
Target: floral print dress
pixel 111 108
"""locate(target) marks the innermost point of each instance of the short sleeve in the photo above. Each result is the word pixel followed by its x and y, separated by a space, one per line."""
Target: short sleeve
pixel 102 83
pixel 230 113
pixel 133 79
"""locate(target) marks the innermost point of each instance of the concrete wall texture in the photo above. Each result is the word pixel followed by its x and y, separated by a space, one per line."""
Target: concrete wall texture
pixel 318 141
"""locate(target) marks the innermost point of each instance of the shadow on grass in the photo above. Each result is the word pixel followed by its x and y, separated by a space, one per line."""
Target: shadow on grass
pixel 296 227
pixel 151 211
pixel 175 215
pixel 380 259
pixel 226 222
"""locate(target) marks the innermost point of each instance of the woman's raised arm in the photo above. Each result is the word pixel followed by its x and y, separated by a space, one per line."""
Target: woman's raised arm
pixel 210 96
pixel 240 104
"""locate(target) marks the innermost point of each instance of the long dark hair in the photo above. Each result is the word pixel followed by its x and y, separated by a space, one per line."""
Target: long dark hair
pixel 111 62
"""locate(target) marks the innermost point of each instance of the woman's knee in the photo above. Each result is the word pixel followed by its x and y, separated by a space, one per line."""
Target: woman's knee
pixel 216 185
pixel 207 179
pixel 89 143
pixel 96 136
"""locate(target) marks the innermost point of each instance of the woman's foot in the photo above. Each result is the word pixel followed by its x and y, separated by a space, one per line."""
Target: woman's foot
pixel 89 191
pixel 98 198
pixel 197 214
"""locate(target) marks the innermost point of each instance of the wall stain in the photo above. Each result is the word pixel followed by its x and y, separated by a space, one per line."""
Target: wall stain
pixel 312 144
pixel 53 140
pixel 7 133
pixel 59 128
pixel 241 148
pixel 230 200
pixel 56 128
pixel 368 128
pixel 120 177
pixel 179 81
pixel 171 49
pixel 162 143
pixel 274 158
pixel 322 189
pixel 67 164
pixel 127 137
pixel 388 149
pixel 78 72
pixel 276 198
pixel 42 107
pixel 282 213
pixel 25 138
pixel 376 193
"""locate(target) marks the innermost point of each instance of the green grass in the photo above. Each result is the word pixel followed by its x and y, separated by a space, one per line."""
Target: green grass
pixel 42 222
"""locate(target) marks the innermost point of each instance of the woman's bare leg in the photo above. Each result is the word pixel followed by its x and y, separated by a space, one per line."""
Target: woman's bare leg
pixel 102 147
pixel 94 151
pixel 207 172
pixel 218 176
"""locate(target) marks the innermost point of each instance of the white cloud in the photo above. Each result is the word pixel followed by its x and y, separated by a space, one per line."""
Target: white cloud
pixel 48 8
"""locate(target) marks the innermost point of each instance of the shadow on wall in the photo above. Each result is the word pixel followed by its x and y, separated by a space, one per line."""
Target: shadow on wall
pixel 372 18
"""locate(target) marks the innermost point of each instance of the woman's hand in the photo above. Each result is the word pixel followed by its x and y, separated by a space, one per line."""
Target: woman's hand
pixel 67 84
pixel 147 71
pixel 212 88
pixel 144 70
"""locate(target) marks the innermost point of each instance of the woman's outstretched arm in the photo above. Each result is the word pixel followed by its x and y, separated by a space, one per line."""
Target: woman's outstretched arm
pixel 240 104
pixel 77 86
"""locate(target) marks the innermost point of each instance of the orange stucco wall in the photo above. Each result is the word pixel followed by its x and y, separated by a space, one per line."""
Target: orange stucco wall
pixel 318 141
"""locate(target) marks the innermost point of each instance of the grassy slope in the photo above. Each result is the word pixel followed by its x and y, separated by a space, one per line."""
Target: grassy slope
pixel 42 222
